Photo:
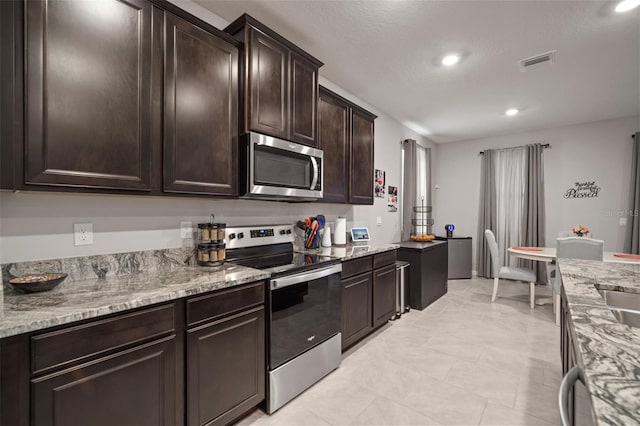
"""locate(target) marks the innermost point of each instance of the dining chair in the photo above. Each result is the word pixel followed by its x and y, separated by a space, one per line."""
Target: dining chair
pixel 571 248
pixel 508 272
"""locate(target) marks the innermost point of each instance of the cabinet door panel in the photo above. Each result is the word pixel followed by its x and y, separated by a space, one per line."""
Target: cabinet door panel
pixel 225 368
pixel 201 121
pixel 269 76
pixel 89 82
pixel 361 159
pixel 356 308
pixel 304 95
pixel 384 294
pixel 333 139
pixel 134 387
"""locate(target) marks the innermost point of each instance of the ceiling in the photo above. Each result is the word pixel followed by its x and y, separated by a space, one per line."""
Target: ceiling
pixel 386 53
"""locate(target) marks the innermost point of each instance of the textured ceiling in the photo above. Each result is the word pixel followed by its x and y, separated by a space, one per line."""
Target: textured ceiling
pixel 386 53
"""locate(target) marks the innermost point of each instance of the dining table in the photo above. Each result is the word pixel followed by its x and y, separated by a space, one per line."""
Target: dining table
pixel 548 254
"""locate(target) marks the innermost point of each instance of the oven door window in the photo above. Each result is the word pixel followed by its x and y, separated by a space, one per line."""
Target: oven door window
pixel 303 315
pixel 277 167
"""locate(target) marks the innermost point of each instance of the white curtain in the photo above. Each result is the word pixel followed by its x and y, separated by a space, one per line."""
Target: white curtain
pixel 416 182
pixel 510 172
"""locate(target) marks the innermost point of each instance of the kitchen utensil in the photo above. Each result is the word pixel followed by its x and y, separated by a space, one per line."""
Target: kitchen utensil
pixel 37 282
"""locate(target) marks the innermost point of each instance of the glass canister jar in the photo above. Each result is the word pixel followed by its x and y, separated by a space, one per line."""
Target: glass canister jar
pixel 211 254
pixel 212 232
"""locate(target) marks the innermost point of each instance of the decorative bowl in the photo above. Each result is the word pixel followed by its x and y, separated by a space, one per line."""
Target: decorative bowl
pixel 37 282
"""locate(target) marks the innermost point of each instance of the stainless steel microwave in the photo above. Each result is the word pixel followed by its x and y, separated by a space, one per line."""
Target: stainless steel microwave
pixel 277 169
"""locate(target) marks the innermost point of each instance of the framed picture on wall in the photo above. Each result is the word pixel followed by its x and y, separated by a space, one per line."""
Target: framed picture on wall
pixel 378 183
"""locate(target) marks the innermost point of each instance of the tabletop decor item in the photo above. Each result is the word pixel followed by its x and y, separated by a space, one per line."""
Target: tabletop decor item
pixel 37 282
pixel 580 230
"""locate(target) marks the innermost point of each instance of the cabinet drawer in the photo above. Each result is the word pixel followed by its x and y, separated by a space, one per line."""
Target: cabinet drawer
pixel 58 348
pixel 224 302
pixel 384 259
pixel 355 267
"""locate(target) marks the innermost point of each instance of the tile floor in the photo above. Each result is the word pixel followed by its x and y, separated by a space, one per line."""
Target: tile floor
pixel 461 361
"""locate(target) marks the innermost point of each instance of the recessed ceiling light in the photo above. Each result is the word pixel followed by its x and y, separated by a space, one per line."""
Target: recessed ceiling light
pixel 627 5
pixel 511 112
pixel 450 60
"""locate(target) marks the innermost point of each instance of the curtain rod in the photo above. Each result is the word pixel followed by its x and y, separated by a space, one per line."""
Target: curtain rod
pixel 546 145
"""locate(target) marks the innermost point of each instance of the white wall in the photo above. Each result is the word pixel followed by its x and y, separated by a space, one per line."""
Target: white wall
pixel 598 151
pixel 37 226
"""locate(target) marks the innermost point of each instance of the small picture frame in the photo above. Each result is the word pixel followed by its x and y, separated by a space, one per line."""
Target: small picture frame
pixel 359 234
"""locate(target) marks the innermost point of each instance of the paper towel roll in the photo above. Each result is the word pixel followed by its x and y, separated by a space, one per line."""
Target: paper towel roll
pixel 340 232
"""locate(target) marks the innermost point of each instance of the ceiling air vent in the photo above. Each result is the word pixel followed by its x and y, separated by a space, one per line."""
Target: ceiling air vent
pixel 537 61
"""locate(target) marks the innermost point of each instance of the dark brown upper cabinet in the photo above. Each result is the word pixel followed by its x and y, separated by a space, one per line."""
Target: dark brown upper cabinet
pixel 346 135
pixel 200 111
pixel 280 84
pixel 361 157
pixel 333 139
pixel 90 73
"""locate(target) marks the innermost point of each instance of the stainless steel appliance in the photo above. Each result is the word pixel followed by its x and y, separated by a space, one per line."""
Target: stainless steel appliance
pixel 304 308
pixel 402 288
pixel 276 169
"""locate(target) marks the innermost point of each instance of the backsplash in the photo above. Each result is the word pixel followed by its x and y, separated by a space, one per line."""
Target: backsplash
pixel 101 266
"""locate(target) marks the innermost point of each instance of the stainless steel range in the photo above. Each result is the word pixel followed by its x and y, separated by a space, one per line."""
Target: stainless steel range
pixel 304 308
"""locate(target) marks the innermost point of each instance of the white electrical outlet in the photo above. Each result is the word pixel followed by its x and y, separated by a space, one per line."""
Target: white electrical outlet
pixel 186 229
pixel 379 221
pixel 623 221
pixel 82 234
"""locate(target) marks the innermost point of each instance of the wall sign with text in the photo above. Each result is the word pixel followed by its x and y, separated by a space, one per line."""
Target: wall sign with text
pixel 583 190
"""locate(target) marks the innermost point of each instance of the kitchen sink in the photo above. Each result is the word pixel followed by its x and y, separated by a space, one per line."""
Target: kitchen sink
pixel 631 318
pixel 621 300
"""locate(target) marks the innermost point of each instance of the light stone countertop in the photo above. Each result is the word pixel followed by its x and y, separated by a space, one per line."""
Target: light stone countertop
pixel 106 284
pixel 606 350
pixel 83 299
pixel 350 251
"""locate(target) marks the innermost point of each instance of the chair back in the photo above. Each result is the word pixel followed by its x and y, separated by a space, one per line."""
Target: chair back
pixel 493 248
pixel 579 248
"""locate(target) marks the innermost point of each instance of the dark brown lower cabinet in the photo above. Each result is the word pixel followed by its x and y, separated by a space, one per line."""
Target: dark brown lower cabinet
pixel 225 368
pixel 197 361
pixel 356 308
pixel 384 294
pixel 133 387
pixel 428 271
pixel 368 295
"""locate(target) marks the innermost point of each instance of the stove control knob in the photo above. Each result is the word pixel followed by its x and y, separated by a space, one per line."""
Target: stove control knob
pixel 288 231
pixel 240 235
pixel 231 236
pixel 282 232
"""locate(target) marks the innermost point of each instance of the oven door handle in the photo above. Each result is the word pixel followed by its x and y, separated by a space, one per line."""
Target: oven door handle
pixel 305 276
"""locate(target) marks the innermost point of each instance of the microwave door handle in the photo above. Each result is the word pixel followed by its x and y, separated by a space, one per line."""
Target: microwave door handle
pixel 314 163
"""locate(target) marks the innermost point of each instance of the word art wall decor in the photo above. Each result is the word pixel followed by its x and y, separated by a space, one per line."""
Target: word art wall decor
pixel 583 190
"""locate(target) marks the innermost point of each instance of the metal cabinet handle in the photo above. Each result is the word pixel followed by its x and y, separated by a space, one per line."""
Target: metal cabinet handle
pixel 314 163
pixel 565 387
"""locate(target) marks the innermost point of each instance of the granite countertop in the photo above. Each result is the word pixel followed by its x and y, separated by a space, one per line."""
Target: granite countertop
pixel 79 300
pixel 606 350
pixel 350 251
pixel 421 245
pixel 108 284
